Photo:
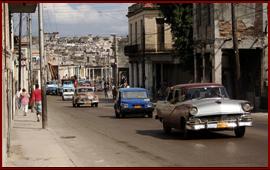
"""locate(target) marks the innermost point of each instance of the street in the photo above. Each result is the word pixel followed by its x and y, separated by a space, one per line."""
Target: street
pixel 94 137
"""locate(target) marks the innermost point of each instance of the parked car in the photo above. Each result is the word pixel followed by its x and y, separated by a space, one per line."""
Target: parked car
pixel 203 106
pixel 85 96
pixel 51 87
pixel 133 100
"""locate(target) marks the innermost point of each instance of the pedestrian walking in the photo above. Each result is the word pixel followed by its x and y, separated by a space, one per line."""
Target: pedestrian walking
pixel 106 89
pixel 18 98
pixel 36 99
pixel 24 101
pixel 114 92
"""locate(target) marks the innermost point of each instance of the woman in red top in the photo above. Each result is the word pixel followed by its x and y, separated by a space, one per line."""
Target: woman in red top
pixel 36 99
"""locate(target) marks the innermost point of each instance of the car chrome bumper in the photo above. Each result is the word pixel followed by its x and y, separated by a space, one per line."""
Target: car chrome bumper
pixel 67 97
pixel 217 125
pixel 87 102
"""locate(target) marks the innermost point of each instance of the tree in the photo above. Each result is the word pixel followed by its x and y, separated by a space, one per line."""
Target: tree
pixel 180 17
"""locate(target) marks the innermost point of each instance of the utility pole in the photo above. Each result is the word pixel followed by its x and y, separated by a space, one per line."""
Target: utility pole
pixel 30 51
pixel 195 65
pixel 20 50
pixel 203 61
pixel 236 52
pixel 143 59
pixel 116 60
pixel 42 61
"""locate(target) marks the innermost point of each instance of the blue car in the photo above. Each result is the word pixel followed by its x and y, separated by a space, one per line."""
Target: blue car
pixel 133 101
pixel 51 87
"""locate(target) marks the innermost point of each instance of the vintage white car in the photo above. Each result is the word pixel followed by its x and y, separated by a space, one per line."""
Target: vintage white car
pixel 203 106
pixel 84 95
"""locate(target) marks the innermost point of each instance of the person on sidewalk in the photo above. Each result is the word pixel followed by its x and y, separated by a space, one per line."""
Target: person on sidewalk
pixel 18 98
pixel 106 88
pixel 24 101
pixel 36 99
pixel 114 92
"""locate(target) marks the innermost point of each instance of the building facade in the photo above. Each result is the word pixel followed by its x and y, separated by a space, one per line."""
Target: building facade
pixel 214 52
pixel 9 74
pixel 151 62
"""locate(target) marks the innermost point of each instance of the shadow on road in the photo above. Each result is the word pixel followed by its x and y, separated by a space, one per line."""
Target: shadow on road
pixel 126 117
pixel 176 135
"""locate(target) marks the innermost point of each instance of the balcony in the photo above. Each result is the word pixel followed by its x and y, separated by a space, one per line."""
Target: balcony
pixel 137 49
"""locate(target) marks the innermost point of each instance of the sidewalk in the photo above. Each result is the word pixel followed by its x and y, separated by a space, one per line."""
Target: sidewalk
pixel 32 146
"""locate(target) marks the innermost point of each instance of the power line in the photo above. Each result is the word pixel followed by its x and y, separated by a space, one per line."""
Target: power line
pixel 252 13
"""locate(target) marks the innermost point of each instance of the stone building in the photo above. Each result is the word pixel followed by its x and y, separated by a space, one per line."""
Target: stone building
pixel 150 50
pixel 212 32
pixel 122 59
pixel 8 73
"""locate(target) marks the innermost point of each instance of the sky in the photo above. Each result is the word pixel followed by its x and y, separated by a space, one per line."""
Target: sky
pixel 70 19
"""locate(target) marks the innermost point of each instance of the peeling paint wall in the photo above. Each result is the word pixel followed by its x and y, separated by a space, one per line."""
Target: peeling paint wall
pixel 252 33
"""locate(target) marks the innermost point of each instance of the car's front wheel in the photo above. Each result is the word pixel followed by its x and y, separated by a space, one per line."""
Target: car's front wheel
pixel 240 131
pixel 166 128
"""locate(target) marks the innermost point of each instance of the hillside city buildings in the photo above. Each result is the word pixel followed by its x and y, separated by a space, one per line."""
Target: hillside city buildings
pixel 145 57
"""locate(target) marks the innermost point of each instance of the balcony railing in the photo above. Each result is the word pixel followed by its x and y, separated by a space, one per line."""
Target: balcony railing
pixel 149 48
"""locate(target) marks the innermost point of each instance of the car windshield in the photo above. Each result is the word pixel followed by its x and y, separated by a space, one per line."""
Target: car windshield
pixel 51 82
pixel 68 90
pixel 67 82
pixel 206 92
pixel 85 90
pixel 132 95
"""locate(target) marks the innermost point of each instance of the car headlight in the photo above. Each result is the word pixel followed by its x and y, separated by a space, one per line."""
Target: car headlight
pixel 123 105
pixel 193 111
pixel 149 105
pixel 247 107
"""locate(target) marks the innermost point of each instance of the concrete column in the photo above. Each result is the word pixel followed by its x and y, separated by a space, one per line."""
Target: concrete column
pixel 130 75
pixel 84 72
pixel 140 75
pixel 217 69
pixel 149 76
pixel 111 72
pixel 101 73
pixel 88 74
pixel 135 75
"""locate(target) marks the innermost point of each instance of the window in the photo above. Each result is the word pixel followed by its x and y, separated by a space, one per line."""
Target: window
pixel 199 14
pixel 170 96
pixel 160 33
pixel 130 33
pixel 136 95
pixel 176 96
pixel 142 32
pixel 136 33
pixel 85 90
pixel 209 14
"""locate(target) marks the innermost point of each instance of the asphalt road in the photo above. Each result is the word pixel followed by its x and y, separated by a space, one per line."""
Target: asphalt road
pixel 93 137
